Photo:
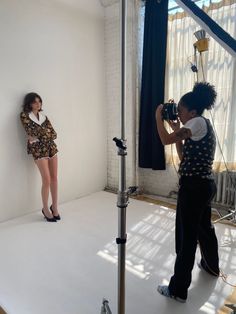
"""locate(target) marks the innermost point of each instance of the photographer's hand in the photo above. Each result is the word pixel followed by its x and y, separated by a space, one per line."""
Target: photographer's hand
pixel 175 125
pixel 166 138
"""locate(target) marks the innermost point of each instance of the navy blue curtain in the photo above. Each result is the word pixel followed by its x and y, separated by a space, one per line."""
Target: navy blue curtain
pixel 151 150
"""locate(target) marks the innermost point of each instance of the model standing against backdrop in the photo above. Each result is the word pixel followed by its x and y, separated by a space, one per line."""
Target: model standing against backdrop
pixel 41 145
pixel 195 143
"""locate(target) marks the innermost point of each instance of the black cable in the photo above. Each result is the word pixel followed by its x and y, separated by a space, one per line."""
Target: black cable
pixel 221 151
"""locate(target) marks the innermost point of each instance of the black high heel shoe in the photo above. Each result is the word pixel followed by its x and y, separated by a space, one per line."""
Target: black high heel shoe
pixel 49 219
pixel 58 217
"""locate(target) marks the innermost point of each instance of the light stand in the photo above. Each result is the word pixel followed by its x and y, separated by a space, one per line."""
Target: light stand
pixel 123 194
pixel 122 199
pixel 201 45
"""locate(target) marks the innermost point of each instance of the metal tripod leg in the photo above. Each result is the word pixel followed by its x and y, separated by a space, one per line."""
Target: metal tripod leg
pixel 231 214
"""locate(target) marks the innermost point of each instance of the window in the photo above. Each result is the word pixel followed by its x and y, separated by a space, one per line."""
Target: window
pixel 218 67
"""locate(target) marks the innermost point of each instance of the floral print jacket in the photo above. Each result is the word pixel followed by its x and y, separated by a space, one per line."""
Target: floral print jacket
pixel 41 129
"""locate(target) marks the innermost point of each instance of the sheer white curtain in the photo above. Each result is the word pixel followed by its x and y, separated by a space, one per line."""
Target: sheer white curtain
pixel 219 69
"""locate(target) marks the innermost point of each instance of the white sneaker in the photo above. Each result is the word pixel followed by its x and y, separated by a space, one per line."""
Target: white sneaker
pixel 164 290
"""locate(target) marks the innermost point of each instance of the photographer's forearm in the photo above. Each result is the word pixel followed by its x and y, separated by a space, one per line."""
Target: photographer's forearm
pixel 166 138
pixel 161 130
pixel 179 148
pixel 164 135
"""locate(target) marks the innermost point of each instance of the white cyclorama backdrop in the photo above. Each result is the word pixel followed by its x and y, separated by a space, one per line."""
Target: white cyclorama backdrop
pixel 56 50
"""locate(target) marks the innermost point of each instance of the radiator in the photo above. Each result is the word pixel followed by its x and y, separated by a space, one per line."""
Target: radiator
pixel 226 188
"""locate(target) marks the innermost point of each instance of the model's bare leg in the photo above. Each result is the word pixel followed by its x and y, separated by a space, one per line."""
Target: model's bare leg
pixel 43 165
pixel 53 165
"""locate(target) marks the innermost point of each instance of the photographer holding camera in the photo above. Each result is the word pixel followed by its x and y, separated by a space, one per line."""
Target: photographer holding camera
pixel 195 142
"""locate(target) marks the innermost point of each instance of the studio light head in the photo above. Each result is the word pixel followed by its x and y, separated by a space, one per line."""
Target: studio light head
pixel 201 34
pixel 202 42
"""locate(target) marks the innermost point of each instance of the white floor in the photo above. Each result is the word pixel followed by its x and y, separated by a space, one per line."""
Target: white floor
pixel 69 266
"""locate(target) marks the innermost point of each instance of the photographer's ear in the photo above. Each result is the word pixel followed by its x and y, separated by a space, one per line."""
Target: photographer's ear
pixel 193 113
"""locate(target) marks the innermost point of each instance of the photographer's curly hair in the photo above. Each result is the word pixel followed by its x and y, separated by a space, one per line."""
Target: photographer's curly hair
pixel 202 97
pixel 29 100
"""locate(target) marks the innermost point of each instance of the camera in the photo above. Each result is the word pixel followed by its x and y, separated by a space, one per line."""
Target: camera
pixel 169 111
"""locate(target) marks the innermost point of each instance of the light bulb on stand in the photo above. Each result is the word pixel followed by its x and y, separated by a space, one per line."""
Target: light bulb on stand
pixel 202 43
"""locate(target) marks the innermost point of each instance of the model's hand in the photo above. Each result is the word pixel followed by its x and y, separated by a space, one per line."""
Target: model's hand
pixel 175 125
pixel 32 138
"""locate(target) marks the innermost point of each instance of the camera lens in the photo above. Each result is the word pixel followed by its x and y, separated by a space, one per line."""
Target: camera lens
pixel 169 111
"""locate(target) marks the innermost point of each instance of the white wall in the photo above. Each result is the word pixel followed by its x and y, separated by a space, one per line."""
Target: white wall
pixel 150 181
pixel 56 50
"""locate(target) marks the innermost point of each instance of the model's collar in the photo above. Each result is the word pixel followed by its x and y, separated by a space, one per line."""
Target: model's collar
pixel 42 118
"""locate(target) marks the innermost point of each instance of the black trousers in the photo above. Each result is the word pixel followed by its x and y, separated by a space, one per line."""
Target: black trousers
pixel 193 224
